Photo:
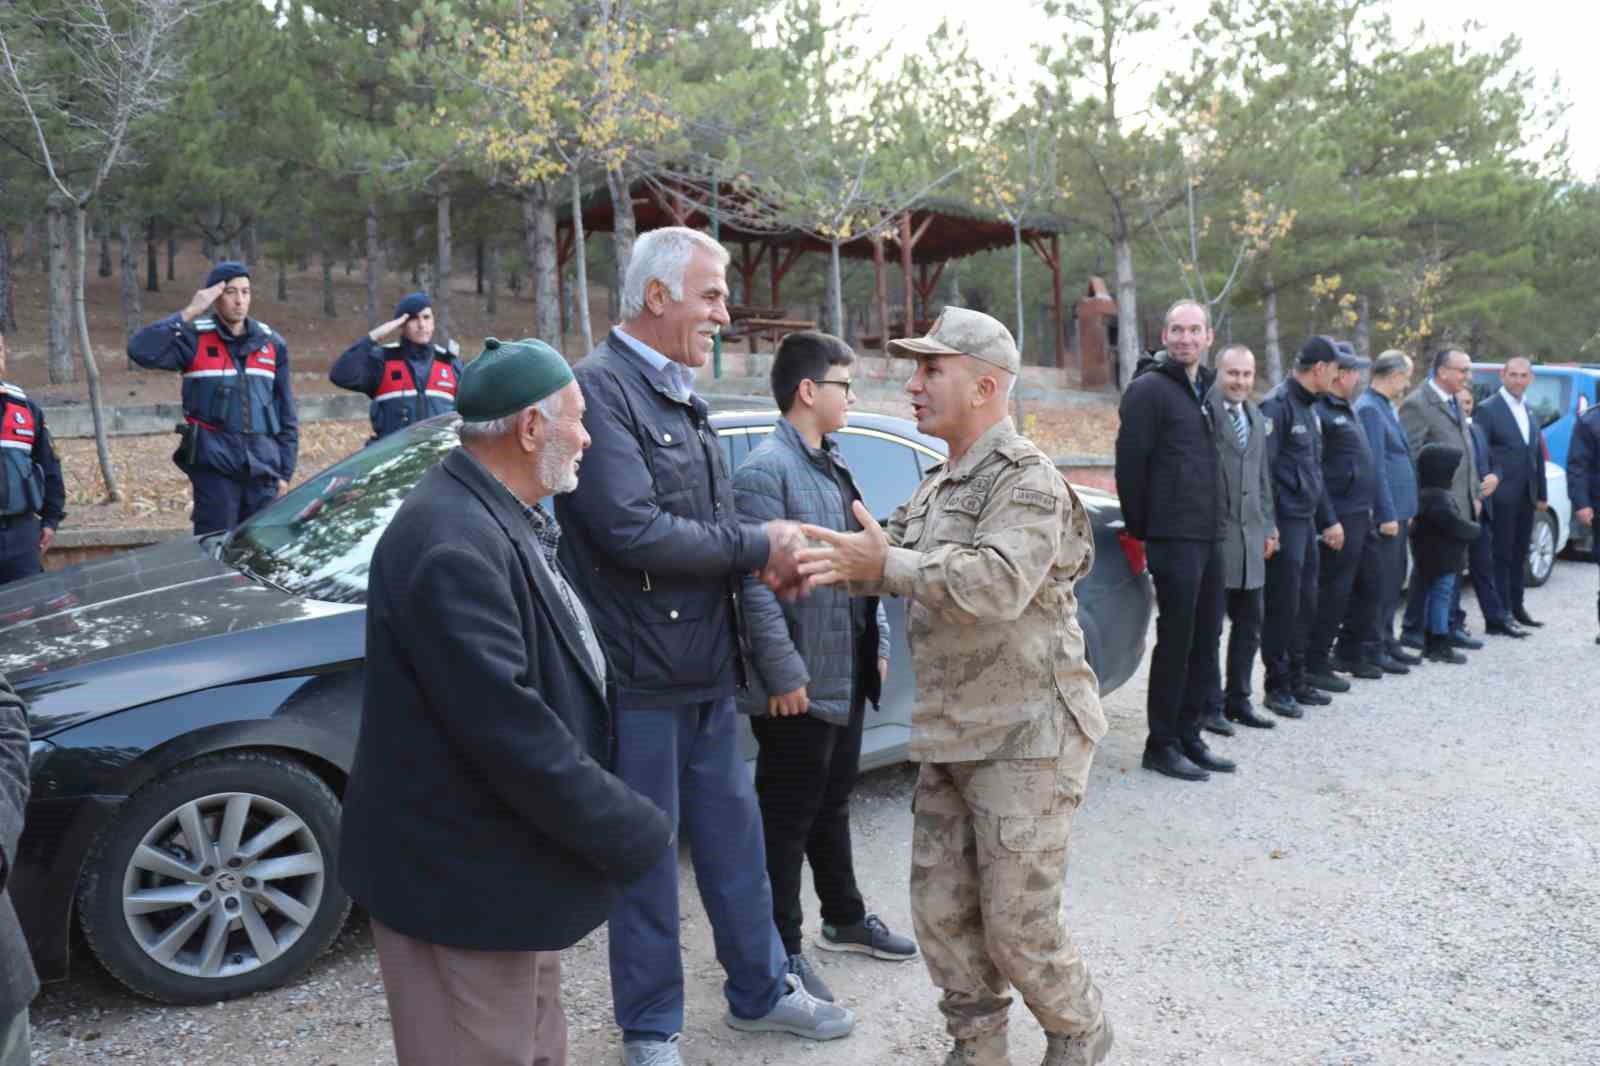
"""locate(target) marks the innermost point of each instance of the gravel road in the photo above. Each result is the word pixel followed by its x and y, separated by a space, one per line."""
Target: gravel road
pixel 1408 876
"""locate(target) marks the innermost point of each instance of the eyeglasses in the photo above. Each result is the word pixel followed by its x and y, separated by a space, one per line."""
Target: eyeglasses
pixel 845 385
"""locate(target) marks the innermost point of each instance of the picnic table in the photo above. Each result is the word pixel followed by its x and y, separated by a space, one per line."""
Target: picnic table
pixel 749 322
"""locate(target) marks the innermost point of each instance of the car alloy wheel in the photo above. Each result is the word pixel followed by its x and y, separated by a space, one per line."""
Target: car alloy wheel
pixel 1541 549
pixel 215 880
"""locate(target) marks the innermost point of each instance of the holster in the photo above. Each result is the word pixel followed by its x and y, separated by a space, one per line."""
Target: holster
pixel 188 444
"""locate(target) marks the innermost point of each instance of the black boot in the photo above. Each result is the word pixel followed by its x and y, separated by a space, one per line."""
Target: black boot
pixel 1439 648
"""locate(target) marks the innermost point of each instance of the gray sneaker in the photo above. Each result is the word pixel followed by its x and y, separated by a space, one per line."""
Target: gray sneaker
pixel 801 967
pixel 799 1013
pixel 651 1052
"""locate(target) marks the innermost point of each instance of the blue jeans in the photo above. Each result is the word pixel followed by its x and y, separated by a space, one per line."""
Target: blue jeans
pixel 1441 594
pixel 687 760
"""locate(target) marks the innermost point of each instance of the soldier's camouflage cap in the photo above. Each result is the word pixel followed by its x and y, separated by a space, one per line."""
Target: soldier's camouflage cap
pixel 958 331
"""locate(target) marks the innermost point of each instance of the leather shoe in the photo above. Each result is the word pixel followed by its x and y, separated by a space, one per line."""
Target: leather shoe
pixel 1173 763
pixel 1213 721
pixel 1310 697
pixel 1207 759
pixel 1364 670
pixel 1284 705
pixel 1397 652
pixel 1326 680
pixel 1460 639
pixel 1247 715
pixel 1525 618
pixel 1505 629
pixel 1390 665
pixel 1408 639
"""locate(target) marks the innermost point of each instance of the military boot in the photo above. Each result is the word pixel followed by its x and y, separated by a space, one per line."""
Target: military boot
pixel 986 1050
pixel 1079 1049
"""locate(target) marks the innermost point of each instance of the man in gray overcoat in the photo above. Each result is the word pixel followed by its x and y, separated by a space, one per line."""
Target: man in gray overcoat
pixel 1431 415
pixel 1249 535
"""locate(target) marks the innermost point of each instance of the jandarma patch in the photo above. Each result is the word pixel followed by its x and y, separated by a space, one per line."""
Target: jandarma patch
pixel 1034 498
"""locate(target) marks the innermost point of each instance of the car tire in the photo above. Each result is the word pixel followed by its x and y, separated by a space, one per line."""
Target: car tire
pixel 1542 550
pixel 247 909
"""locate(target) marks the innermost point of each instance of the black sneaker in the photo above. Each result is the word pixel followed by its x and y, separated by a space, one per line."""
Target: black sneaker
pixel 1326 680
pixel 867 937
pixel 1358 668
pixel 1307 696
pixel 801 967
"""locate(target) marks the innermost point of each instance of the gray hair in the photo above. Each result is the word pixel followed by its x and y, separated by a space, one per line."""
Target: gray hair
pixel 1390 363
pixel 662 255
pixel 549 407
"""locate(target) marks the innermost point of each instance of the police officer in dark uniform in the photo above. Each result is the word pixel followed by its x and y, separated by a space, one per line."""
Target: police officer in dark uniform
pixel 1305 518
pixel 1350 473
pixel 32 496
pixel 1583 477
pixel 240 436
pixel 409 378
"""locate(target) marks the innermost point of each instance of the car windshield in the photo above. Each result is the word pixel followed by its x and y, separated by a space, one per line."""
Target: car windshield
pixel 317 540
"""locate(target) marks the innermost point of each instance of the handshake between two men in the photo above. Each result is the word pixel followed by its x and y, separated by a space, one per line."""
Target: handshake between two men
pixel 804 556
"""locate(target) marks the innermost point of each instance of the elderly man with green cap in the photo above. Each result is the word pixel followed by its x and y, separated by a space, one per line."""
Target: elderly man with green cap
pixel 482 769
pixel 988 550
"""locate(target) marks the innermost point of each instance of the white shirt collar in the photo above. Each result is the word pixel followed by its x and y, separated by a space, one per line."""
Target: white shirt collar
pixel 680 376
pixel 1445 396
pixel 1515 403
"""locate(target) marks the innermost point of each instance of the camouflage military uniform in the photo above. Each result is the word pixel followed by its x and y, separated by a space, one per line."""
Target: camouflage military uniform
pixel 1005 723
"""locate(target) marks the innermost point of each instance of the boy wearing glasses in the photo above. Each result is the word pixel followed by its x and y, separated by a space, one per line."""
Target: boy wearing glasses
pixel 815 663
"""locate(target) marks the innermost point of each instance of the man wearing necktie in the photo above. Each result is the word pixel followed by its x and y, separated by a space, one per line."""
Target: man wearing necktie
pixel 1432 416
pixel 1249 532
pixel 1381 582
pixel 1516 458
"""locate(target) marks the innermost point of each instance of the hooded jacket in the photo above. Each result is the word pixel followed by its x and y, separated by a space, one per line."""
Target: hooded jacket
pixel 1168 475
pixel 1440 535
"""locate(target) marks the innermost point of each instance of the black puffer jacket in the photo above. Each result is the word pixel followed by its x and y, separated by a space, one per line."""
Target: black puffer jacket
pixel 654 542
pixel 1439 534
pixel 1167 473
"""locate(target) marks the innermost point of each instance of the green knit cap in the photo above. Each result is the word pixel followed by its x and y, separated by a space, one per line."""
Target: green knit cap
pixel 509 376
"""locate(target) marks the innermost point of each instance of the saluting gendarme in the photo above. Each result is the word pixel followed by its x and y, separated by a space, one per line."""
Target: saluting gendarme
pixel 1007 713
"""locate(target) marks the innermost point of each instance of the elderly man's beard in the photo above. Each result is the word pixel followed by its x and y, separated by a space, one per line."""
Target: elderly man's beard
pixel 557 471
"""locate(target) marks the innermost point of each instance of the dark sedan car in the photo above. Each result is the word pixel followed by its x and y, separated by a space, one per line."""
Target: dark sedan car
pixel 194 709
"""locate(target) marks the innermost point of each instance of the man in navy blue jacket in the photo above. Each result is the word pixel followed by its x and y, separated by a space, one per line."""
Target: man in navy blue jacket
pixel 1516 457
pixel 240 436
pixel 1384 567
pixel 660 553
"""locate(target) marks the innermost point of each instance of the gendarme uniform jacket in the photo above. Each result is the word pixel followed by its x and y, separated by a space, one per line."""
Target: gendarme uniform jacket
pixel 30 473
pixel 987 552
pixel 1348 467
pixel 1295 455
pixel 407 382
pixel 236 393
pixel 1247 511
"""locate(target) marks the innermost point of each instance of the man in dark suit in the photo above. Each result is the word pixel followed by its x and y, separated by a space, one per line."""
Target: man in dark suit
pixel 1383 579
pixel 482 829
pixel 1249 532
pixel 17 981
pixel 1480 552
pixel 1516 457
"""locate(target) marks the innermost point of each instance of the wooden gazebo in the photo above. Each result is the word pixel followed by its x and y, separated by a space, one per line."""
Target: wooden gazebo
pixel 925 237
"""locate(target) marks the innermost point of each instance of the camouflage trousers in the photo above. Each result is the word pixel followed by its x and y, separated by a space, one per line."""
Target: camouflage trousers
pixel 988 863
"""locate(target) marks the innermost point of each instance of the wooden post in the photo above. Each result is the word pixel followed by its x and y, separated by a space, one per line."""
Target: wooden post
pixel 1055 287
pixel 777 273
pixel 881 288
pixel 905 267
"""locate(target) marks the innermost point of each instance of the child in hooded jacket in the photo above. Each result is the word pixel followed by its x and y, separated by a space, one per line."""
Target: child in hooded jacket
pixel 1439 537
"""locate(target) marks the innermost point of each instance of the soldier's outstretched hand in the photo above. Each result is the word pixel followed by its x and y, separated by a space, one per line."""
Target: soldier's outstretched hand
pixel 845 556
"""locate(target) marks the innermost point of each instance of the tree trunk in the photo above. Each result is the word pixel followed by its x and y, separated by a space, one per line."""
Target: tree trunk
pixel 132 306
pixel 251 242
pixel 8 310
pixel 582 260
pixel 30 243
pixel 303 259
pixel 539 231
pixel 103 269
pixel 1016 269
pixel 1273 355
pixel 477 256
pixel 835 291
pixel 1128 352
pixel 172 258
pixel 624 227
pixel 330 309
pixel 62 368
pixel 90 369
pixel 152 258
pixel 491 268
pixel 441 297
pixel 374 263
pixel 283 279
pixel 1363 330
